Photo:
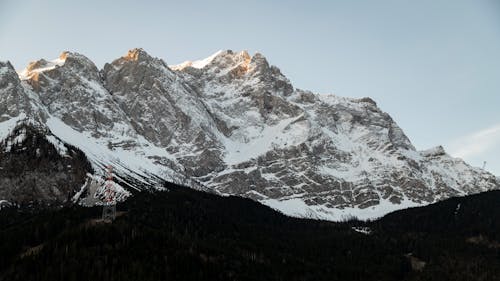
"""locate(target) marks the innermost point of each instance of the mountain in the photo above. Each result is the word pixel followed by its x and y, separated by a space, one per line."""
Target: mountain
pixel 231 124
pixel 184 234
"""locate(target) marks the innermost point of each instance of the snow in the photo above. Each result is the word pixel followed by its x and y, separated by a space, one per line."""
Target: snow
pixel 296 207
pixel 78 194
pixel 261 139
pixel 26 74
pixel 7 126
pixel 196 64
pixel 135 164
pixel 363 230
pixel 58 145
pixel 358 153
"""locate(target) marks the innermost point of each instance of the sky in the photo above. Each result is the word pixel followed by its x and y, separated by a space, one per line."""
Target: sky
pixel 433 65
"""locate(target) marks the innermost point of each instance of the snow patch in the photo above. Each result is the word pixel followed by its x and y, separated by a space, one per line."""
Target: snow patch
pixel 26 74
pixel 296 207
pixel 135 164
pixel 7 126
pixel 259 140
pixel 362 229
pixel 78 194
pixel 196 64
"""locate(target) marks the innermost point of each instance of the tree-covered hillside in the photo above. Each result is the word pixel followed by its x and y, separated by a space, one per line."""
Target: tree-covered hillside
pixel 185 234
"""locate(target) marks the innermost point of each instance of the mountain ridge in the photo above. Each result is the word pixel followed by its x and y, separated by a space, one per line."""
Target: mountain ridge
pixel 238 126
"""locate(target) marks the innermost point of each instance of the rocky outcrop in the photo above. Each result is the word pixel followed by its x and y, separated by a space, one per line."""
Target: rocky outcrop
pixel 14 99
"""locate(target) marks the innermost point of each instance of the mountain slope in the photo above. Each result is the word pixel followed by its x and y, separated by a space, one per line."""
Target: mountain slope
pixel 36 167
pixel 235 125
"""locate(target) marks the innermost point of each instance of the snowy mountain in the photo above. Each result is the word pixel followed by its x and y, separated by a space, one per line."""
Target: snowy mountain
pixel 232 124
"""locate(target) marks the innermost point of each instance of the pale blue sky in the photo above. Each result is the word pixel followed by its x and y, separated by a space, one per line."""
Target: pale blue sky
pixel 433 65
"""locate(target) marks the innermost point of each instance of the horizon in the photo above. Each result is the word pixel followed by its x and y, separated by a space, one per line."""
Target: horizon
pixel 433 69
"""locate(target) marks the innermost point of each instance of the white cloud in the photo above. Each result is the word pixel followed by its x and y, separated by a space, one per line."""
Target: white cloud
pixel 480 146
pixel 477 143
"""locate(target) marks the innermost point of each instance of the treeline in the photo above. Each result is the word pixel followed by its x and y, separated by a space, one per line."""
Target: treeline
pixel 185 234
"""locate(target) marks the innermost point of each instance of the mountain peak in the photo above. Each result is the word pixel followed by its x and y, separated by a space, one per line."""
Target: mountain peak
pixel 73 60
pixel 197 63
pixel 137 54
pixel 229 58
pixel 41 65
pixel 6 67
pixel 64 55
pixel 221 59
pixel 258 58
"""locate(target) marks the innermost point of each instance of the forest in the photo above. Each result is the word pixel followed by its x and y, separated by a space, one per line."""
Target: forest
pixel 184 234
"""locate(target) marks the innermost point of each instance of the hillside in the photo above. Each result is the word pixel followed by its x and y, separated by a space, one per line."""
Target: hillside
pixel 183 234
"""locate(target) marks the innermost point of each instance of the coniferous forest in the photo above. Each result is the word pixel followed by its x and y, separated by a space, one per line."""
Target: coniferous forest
pixel 183 234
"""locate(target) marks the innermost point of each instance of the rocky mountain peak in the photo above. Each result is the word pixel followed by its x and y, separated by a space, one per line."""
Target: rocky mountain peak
pixel 70 88
pixel 5 65
pixel 237 63
pixel 64 55
pixel 34 65
pixel 7 74
pixel 67 62
pixel 79 63
pixel 258 60
pixel 229 58
pixel 34 68
pixel 138 55
pixel 13 97
pixel 137 65
pixel 251 75
pixel 219 61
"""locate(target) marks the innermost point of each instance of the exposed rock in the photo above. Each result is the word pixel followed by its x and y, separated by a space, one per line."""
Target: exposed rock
pixel 235 123
pixel 13 97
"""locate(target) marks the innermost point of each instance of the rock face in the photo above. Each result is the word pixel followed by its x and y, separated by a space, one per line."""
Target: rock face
pixel 234 124
pixel 14 100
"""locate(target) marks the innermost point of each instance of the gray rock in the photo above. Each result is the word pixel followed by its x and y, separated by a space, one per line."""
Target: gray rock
pixel 236 123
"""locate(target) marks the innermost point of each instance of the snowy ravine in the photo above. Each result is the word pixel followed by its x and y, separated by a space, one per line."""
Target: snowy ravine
pixel 232 124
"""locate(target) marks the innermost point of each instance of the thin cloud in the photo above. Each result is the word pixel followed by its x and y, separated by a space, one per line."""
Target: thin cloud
pixel 476 143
